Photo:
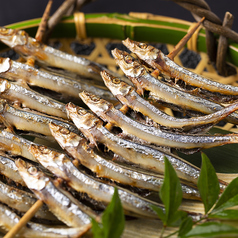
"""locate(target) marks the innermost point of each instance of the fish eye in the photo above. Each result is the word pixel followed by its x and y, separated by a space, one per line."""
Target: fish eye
pixel 82 112
pixel 129 59
pixel 95 98
pixel 142 46
pixel 32 170
pixel 116 81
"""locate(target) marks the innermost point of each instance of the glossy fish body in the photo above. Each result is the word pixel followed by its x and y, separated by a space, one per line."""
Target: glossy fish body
pixel 107 168
pixel 60 203
pixel 30 99
pixel 62 166
pixel 9 169
pixel 161 91
pixel 26 120
pixel 67 87
pixel 27 46
pixel 22 201
pixel 127 95
pixel 140 155
pixel 149 134
pixel 8 219
pixel 156 59
pixel 15 144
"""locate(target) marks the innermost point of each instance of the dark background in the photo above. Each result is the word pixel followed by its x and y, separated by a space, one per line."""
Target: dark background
pixel 12 11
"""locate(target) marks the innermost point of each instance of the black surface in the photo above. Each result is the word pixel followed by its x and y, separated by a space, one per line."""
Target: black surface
pixel 12 11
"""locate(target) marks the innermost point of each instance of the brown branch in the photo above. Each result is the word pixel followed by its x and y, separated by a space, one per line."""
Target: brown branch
pixel 222 47
pixel 44 20
pixel 184 40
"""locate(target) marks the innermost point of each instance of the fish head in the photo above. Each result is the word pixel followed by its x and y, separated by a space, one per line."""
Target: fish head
pixel 50 159
pixel 142 50
pixel 34 178
pixel 117 86
pixel 98 105
pixel 65 137
pixel 83 119
pixel 128 64
pixel 3 105
pixel 12 37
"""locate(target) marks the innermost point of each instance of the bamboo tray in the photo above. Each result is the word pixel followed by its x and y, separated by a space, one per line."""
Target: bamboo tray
pixel 99 32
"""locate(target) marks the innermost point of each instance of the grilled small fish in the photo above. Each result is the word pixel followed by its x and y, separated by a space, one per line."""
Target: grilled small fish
pixel 139 155
pixel 156 59
pixel 109 169
pixel 17 71
pixel 61 203
pixel 22 201
pixel 127 95
pixel 30 99
pixel 27 46
pixel 149 134
pixel 163 92
pixel 8 219
pixel 61 165
pixel 27 120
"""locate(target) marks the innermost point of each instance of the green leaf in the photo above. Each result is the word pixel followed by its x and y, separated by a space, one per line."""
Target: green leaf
pixel 225 215
pixel 97 229
pixel 229 197
pixel 177 218
pixel 208 184
pixel 113 219
pixel 185 226
pixel 211 229
pixel 171 192
pixel 160 213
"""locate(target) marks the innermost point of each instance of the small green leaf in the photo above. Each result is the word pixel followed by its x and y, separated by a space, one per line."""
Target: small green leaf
pixel 171 192
pixel 177 218
pixel 225 215
pixel 211 229
pixel 97 229
pixel 208 184
pixel 185 226
pixel 229 197
pixel 160 213
pixel 113 219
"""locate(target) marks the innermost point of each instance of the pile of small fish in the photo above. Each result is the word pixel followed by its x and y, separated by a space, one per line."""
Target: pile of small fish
pixel 98 148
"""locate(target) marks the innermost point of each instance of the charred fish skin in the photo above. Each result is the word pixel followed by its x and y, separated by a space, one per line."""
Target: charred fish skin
pixel 127 95
pixel 96 189
pixel 161 91
pixel 156 59
pixel 31 99
pixel 31 121
pixel 109 169
pixel 12 70
pixel 150 134
pixel 8 219
pixel 60 203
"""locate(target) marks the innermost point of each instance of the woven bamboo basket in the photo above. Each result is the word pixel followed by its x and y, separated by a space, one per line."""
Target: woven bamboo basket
pixel 78 34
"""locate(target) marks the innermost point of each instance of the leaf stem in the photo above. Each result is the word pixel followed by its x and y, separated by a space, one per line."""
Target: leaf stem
pixel 162 231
